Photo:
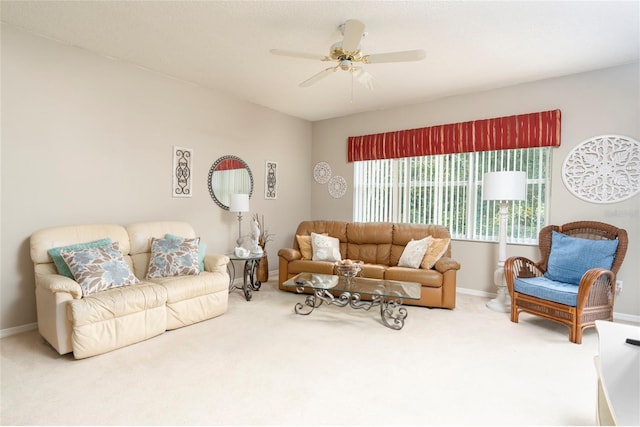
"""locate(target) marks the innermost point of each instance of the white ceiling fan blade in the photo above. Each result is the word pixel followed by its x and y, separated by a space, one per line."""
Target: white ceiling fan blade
pixel 365 79
pixel 321 75
pixel 404 56
pixel 293 54
pixel 353 31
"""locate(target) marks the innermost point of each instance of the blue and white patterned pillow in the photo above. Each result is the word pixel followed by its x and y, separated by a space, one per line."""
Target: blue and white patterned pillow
pixel 173 257
pixel 202 249
pixel 61 266
pixel 98 269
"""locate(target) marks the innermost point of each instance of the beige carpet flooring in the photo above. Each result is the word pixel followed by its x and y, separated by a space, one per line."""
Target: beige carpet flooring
pixel 261 364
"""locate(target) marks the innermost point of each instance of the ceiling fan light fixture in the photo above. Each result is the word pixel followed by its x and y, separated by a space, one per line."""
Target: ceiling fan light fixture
pixel 346 64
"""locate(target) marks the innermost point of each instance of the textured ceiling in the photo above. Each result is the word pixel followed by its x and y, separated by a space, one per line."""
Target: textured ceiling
pixel 225 45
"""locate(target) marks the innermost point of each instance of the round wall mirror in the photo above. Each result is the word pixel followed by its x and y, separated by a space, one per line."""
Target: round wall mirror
pixel 229 175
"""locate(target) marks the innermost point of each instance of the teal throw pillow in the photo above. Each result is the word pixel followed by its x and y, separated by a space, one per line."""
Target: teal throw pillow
pixel 61 266
pixel 202 249
pixel 571 257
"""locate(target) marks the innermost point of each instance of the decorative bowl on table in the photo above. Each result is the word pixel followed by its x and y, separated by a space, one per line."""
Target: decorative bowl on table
pixel 348 268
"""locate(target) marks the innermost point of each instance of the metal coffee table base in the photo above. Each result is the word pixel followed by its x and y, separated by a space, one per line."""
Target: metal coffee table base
pixel 391 310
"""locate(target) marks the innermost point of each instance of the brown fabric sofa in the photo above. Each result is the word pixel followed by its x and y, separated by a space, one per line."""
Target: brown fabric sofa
pixel 379 246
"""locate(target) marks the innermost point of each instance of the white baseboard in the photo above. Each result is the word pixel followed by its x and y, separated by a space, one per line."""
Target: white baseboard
pixel 17 330
pixel 476 293
pixel 616 316
pixel 626 317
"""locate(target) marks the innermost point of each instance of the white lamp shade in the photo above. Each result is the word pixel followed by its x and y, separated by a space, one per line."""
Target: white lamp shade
pixel 504 186
pixel 239 203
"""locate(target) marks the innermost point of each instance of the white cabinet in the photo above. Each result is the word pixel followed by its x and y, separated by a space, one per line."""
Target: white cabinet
pixel 618 368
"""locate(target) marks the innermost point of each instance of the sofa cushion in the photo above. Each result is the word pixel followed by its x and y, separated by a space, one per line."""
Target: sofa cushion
pixel 309 266
pixel 374 271
pixel 172 257
pixel 369 242
pixel 325 248
pixel 436 250
pixel 62 266
pixel 427 278
pixel 202 249
pixel 369 253
pixel 181 288
pixel 98 269
pixel 571 257
pixel 117 302
pixel 414 253
pixel 550 290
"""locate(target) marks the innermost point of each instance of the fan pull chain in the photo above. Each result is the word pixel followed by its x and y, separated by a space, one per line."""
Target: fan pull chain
pixel 351 100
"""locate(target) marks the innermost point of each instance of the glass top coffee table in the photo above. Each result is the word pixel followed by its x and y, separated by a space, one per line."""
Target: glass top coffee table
pixel 356 292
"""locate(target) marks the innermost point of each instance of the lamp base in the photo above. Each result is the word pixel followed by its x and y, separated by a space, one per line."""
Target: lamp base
pixel 500 304
pixel 502 301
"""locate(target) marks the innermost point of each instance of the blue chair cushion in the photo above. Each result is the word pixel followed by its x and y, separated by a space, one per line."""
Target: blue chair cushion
pixel 571 257
pixel 550 290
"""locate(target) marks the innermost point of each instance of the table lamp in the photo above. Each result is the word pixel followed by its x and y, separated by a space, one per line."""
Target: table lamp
pixel 239 203
pixel 503 187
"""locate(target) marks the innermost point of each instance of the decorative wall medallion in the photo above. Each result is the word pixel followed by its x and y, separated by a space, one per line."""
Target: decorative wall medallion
pixel 603 169
pixel 182 172
pixel 271 180
pixel 322 172
pixel 337 186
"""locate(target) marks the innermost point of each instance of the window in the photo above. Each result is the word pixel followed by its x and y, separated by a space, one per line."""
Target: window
pixel 447 190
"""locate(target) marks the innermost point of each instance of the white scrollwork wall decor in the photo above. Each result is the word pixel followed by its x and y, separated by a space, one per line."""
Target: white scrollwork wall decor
pixel 322 172
pixel 271 180
pixel 603 169
pixel 337 187
pixel 182 172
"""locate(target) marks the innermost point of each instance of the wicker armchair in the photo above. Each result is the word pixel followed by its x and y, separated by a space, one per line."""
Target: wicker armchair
pixel 593 295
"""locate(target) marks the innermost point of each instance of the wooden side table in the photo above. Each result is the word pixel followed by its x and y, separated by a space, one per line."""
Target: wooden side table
pixel 250 280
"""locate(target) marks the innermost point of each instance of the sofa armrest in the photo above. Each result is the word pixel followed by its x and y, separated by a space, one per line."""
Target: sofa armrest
pixel 216 262
pixel 289 254
pixel 58 283
pixel 445 264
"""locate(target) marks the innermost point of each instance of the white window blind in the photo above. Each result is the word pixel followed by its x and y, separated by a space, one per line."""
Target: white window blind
pixel 447 190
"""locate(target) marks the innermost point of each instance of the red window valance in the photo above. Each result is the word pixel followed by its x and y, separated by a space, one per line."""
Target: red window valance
pixel 503 133
pixel 228 164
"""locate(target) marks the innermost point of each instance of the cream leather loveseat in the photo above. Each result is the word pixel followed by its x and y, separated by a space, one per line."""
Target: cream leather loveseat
pixel 379 246
pixel 113 318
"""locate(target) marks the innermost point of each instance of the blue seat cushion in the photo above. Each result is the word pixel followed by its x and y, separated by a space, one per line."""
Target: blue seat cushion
pixel 550 290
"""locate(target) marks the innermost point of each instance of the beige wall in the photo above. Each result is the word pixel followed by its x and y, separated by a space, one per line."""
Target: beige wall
pixel 86 139
pixel 595 103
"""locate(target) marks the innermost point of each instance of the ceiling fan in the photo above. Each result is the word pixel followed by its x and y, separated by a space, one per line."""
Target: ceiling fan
pixel 347 53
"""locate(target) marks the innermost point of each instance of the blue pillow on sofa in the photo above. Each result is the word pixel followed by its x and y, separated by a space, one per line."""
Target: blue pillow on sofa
pixel 62 266
pixel 571 257
pixel 202 249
